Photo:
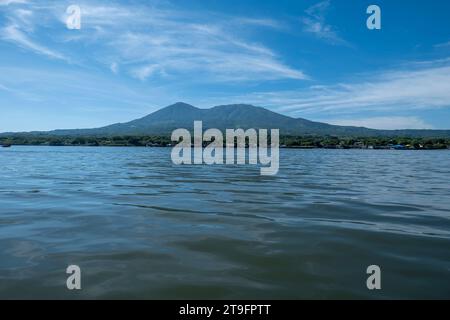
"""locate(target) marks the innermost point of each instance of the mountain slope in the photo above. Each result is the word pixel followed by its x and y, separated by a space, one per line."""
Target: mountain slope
pixel 182 115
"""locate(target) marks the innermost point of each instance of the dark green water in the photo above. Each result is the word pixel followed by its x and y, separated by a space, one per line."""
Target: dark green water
pixel 141 227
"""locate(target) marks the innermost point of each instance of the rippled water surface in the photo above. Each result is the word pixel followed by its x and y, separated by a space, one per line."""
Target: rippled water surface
pixel 141 227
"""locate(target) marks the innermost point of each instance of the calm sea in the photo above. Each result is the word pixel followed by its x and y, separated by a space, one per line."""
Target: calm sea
pixel 140 227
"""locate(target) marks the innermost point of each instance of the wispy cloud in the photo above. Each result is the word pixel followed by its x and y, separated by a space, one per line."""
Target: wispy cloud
pixel 177 44
pixel 84 89
pixel 4 88
pixel 156 40
pixel 144 72
pixel 114 67
pixel 19 29
pixel 13 34
pixel 262 22
pixel 8 2
pixel 314 23
pixel 442 45
pixel 422 85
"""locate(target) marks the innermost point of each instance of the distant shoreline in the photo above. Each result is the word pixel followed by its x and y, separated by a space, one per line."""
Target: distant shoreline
pixel 285 141
pixel 281 147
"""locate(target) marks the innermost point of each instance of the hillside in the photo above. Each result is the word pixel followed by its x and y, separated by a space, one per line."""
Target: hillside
pixel 182 115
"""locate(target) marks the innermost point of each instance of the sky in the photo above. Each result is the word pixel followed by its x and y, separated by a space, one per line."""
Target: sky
pixel 310 59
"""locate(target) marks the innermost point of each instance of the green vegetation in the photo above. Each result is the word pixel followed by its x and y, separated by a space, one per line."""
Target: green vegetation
pixel 116 141
pixel 329 142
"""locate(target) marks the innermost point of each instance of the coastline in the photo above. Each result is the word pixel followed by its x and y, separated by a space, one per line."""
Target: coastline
pixel 281 147
pixel 285 141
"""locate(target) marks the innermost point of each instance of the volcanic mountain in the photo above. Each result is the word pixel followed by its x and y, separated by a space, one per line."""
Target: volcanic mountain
pixel 182 115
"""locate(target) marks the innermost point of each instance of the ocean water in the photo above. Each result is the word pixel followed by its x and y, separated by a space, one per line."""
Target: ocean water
pixel 140 227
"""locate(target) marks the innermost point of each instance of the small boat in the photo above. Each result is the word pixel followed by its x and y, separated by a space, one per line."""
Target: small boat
pixel 399 147
pixel 6 145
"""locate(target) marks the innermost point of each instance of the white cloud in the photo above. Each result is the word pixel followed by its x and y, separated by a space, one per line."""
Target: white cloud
pixel 13 34
pixel 114 67
pixel 262 22
pixel 153 40
pixel 8 2
pixel 4 88
pixel 149 42
pixel 423 85
pixel 442 45
pixel 47 86
pixel 383 123
pixel 204 50
pixel 144 72
pixel 314 23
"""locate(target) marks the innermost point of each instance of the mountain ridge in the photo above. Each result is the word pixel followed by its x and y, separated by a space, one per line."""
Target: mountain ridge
pixel 245 116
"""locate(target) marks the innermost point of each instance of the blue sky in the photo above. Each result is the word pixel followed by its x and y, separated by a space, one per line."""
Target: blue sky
pixel 310 59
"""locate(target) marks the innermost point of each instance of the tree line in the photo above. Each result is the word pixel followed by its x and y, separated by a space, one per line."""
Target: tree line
pixel 329 142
